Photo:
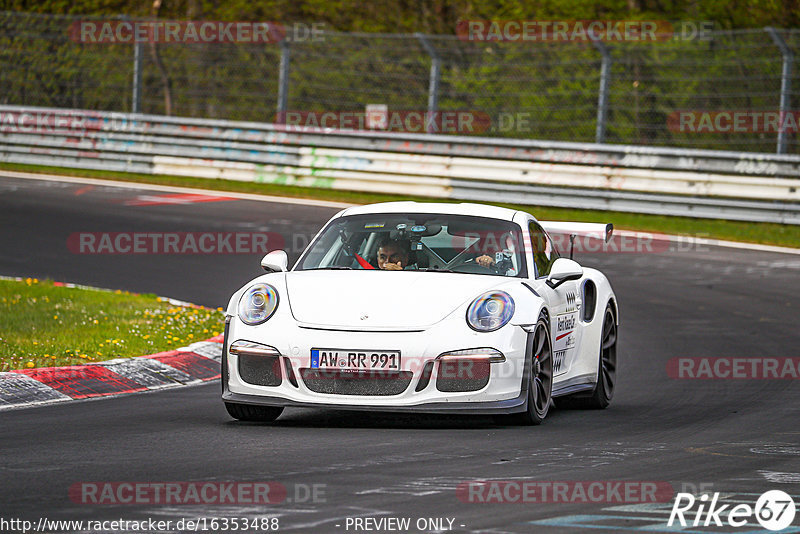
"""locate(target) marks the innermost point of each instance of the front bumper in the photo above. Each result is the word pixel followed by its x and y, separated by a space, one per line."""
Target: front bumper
pixel 517 404
pixel 503 391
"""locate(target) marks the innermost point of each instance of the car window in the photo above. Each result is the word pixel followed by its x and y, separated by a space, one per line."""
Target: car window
pixel 457 243
pixel 543 251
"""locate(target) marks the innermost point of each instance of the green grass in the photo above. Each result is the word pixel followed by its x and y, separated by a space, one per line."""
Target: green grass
pixel 45 325
pixel 764 233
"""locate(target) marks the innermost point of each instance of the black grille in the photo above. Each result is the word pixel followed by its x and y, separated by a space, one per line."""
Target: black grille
pixel 335 382
pixel 462 375
pixel 260 370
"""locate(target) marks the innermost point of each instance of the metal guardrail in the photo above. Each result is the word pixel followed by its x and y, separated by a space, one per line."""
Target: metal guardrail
pixel 667 181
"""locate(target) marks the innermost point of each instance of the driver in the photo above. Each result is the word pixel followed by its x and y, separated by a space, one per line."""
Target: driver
pixel 393 254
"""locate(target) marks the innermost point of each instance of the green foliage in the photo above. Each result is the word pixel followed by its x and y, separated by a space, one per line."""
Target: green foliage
pixel 549 89
pixel 432 16
pixel 47 325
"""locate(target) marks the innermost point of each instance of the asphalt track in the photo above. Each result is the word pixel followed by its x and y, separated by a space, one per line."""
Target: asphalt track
pixel 736 436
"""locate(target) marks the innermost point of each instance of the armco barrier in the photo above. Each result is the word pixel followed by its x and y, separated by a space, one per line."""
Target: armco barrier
pixel 698 183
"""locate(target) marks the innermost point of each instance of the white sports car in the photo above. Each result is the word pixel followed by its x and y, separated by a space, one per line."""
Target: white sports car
pixel 423 307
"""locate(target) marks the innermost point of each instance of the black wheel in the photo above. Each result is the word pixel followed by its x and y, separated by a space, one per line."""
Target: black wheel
pixel 540 385
pixel 607 373
pixel 606 370
pixel 247 412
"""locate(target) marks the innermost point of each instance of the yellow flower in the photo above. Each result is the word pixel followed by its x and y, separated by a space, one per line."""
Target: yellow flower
pixel 95 321
pixel 55 317
pixel 29 365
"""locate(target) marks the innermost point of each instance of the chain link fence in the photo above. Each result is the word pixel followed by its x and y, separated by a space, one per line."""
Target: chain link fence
pixel 644 93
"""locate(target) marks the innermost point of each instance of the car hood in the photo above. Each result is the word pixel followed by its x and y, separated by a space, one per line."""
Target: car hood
pixel 380 300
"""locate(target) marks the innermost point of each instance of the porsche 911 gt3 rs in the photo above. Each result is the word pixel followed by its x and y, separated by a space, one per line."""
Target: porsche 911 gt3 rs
pixel 424 307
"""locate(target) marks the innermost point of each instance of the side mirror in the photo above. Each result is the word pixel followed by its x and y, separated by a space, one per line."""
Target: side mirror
pixel 275 261
pixel 563 269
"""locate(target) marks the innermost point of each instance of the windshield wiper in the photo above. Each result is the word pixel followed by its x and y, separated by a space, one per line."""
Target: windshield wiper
pixel 330 268
pixel 428 269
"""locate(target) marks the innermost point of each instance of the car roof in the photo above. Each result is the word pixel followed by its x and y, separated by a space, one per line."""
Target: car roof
pixel 464 208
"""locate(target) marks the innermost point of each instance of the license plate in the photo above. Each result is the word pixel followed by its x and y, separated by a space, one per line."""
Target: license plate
pixel 355 360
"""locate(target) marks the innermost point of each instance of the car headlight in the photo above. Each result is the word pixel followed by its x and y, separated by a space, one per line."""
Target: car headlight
pixel 490 311
pixel 258 303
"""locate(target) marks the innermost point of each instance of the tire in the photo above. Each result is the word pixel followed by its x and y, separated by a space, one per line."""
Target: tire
pixel 603 391
pixel 540 383
pixel 247 412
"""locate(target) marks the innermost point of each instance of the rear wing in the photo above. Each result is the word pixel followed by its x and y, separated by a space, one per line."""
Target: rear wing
pixel 574 229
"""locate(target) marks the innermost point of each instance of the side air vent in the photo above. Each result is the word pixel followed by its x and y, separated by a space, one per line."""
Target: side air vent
pixel 589 300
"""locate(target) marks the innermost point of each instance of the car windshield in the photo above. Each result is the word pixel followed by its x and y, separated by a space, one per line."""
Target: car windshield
pixel 421 242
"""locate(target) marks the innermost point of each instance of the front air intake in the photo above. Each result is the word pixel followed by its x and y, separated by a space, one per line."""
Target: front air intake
pixel 368 383
pixel 260 370
pixel 462 374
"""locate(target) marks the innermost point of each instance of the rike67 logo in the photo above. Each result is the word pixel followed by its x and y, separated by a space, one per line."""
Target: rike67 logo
pixel 774 510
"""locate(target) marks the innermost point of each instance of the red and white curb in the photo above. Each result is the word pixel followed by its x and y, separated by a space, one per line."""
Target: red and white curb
pixel 195 364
